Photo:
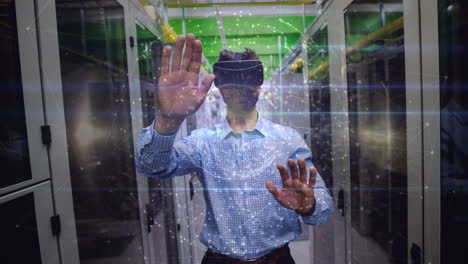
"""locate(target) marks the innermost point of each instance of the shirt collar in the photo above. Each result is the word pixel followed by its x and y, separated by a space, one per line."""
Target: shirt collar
pixel 224 128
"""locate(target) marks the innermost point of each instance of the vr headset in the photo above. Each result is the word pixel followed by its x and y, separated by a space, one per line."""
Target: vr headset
pixel 238 72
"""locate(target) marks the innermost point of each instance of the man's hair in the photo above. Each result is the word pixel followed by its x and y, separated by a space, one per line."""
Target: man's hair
pixel 227 55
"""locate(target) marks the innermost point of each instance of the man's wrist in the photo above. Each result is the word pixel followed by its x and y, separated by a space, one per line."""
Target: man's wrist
pixel 167 126
pixel 308 212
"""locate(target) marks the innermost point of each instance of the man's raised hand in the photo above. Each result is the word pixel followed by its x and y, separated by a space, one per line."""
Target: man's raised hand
pixel 178 91
pixel 297 194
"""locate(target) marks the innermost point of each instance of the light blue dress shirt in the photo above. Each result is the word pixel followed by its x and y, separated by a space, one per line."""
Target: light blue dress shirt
pixel 243 219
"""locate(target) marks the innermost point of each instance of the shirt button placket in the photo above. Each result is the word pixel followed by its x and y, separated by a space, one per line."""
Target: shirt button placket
pixel 238 151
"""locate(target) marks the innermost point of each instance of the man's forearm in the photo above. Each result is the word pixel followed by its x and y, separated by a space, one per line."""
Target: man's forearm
pixel 167 126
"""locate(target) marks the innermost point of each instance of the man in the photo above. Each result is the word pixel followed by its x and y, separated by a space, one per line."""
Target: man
pixel 237 161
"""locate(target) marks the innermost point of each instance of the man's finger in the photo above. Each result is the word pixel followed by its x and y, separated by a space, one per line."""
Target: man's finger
pixel 197 56
pixel 302 171
pixel 283 173
pixel 178 53
pixel 206 83
pixel 313 174
pixel 293 168
pixel 165 60
pixel 273 189
pixel 187 59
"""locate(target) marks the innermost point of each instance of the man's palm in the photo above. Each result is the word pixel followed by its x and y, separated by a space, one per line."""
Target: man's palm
pixel 296 193
pixel 178 91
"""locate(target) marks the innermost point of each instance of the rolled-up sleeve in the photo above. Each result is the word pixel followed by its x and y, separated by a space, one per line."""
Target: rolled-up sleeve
pixel 161 157
pixel 323 200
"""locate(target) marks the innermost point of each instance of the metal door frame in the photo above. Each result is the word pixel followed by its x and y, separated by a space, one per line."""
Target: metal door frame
pixel 414 129
pixel 340 129
pixel 55 118
pixel 330 19
pixel 306 96
pixel 138 17
pixel 431 129
pixel 182 199
pixel 133 17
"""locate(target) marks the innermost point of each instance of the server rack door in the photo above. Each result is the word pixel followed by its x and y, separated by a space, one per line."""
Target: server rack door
pixel 445 95
pixel 453 60
pixel 93 55
pixel 375 61
pixel 25 196
pixel 23 154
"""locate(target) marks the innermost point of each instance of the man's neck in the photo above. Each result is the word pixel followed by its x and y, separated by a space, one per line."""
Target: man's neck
pixel 240 121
